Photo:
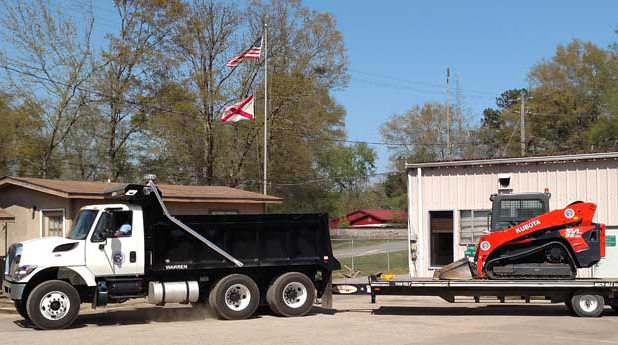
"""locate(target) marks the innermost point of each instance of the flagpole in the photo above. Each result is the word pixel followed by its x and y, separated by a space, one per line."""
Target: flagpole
pixel 265 105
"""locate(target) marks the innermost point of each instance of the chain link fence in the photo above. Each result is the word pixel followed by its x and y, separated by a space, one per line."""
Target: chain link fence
pixel 362 257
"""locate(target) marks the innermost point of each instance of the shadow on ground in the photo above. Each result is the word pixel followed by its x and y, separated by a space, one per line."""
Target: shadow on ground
pixel 491 310
pixel 146 315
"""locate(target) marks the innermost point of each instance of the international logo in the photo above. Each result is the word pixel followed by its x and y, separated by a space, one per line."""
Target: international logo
pixel 569 213
pixel 118 258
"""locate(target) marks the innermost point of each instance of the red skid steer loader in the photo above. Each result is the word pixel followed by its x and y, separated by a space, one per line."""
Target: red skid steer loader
pixel 525 241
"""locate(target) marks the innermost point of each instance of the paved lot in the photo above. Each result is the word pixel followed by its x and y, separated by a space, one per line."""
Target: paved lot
pixel 393 320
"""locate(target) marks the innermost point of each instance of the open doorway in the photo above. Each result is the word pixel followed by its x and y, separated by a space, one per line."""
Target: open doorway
pixel 440 238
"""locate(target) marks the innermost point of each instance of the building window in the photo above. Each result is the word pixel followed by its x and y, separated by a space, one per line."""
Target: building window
pixel 53 223
pixel 472 224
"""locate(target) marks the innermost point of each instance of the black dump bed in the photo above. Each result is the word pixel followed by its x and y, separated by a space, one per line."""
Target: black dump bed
pixel 255 240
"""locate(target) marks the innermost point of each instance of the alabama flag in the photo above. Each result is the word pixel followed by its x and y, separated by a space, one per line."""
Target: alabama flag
pixel 242 110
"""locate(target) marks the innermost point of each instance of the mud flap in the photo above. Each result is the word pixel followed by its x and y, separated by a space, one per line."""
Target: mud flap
pixel 458 270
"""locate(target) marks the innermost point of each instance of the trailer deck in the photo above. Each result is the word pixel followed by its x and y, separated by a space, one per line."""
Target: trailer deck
pixel 557 291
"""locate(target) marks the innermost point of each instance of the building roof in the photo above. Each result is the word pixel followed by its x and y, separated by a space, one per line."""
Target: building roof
pixel 516 160
pixel 382 216
pixel 6 217
pixel 179 193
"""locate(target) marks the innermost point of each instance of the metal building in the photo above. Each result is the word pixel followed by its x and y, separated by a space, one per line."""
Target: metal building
pixel 448 202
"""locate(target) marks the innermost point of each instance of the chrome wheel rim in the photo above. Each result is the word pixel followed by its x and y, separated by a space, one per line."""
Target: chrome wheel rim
pixel 237 297
pixel 295 295
pixel 55 305
pixel 588 303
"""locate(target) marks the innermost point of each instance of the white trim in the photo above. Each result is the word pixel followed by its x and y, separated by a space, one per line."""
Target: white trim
pixel 420 236
pixel 520 160
pixel 64 219
pixel 412 269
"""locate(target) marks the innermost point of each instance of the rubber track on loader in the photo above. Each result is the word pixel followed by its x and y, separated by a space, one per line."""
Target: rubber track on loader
pixel 490 274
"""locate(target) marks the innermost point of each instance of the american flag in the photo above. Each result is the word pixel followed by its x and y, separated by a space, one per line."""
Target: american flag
pixel 252 53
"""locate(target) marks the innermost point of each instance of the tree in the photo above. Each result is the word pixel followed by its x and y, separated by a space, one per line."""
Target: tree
pixel 574 100
pixel 498 126
pixel 49 66
pixel 133 55
pixel 306 61
pixel 419 135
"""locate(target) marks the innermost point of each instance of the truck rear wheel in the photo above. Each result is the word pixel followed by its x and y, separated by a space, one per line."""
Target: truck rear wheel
pixel 53 304
pixel 234 297
pixel 20 306
pixel 291 294
pixel 587 303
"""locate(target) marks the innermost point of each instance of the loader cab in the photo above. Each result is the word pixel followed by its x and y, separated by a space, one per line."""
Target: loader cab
pixel 508 209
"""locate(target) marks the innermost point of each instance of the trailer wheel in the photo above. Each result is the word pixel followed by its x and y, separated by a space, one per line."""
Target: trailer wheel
pixel 53 304
pixel 234 297
pixel 20 306
pixel 291 294
pixel 587 303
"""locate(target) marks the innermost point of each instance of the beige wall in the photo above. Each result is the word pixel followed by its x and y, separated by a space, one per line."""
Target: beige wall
pixel 19 201
pixel 469 188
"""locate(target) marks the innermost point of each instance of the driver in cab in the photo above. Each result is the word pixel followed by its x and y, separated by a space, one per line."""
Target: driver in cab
pixel 124 230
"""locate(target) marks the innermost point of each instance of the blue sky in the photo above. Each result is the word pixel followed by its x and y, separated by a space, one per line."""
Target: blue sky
pixel 489 45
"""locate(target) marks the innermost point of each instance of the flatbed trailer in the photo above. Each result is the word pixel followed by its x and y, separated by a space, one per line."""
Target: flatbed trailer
pixel 584 297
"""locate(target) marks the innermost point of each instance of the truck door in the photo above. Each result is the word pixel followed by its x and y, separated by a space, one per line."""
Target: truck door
pixel 116 253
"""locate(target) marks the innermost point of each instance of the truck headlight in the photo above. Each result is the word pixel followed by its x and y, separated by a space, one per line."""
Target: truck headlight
pixel 23 271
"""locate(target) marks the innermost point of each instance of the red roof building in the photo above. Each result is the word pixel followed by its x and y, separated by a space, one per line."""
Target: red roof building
pixel 371 218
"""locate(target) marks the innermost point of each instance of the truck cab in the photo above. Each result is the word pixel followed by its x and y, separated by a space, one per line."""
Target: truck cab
pixel 93 248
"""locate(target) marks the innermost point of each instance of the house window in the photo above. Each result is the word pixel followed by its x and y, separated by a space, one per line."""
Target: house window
pixel 472 224
pixel 53 223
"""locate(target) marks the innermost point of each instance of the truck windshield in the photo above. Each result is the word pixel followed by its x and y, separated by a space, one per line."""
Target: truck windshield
pixel 83 223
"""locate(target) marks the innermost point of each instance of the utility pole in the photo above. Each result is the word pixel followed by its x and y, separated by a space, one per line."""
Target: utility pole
pixel 448 117
pixel 265 106
pixel 522 119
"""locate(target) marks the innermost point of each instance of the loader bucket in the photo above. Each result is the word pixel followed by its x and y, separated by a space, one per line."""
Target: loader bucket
pixel 458 270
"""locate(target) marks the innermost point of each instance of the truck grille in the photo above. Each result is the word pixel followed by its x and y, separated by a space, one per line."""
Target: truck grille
pixel 12 260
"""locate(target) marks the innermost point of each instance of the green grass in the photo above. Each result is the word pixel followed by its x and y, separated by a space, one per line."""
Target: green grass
pixel 345 244
pixel 371 264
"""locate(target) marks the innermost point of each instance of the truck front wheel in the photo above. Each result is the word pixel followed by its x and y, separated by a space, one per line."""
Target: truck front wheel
pixel 20 306
pixel 234 297
pixel 291 294
pixel 53 304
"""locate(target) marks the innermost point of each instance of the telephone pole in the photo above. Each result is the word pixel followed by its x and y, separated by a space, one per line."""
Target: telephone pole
pixel 522 127
pixel 448 117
